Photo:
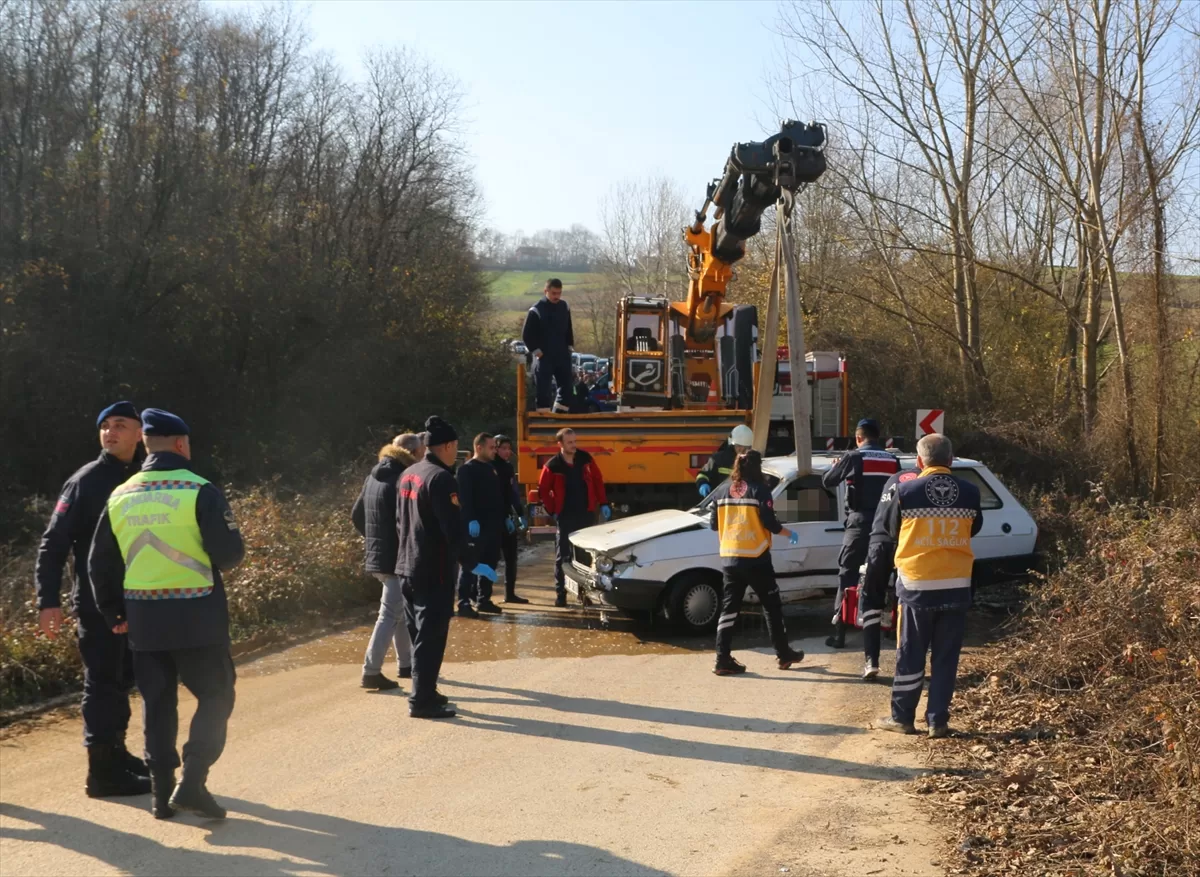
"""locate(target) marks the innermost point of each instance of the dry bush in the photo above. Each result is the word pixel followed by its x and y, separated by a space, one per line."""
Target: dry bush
pixel 1086 723
pixel 303 566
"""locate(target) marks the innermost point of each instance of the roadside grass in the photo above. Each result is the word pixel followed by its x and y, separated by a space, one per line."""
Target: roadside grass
pixel 303 569
pixel 1080 750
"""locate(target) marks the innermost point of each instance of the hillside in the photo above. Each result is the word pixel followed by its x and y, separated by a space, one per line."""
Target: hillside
pixel 514 292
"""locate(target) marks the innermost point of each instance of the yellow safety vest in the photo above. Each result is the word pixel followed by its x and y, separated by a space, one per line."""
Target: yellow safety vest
pixel 153 516
pixel 740 527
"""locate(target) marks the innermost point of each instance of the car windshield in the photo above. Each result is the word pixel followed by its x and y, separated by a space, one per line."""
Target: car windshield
pixel 705 505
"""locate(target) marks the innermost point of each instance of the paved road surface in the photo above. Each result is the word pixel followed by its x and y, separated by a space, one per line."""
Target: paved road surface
pixel 576 751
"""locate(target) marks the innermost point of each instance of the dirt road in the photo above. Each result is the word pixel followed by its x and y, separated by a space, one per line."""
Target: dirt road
pixel 576 751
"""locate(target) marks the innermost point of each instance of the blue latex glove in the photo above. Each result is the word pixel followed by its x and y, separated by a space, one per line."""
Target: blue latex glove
pixel 606 512
pixel 794 539
pixel 473 529
pixel 705 489
pixel 482 569
pixel 509 525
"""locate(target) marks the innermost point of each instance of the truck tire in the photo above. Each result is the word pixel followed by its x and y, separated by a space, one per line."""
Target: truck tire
pixel 694 601
pixel 745 325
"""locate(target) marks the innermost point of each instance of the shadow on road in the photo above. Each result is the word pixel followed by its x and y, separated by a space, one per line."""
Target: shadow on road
pixel 639 713
pixel 300 841
pixel 670 747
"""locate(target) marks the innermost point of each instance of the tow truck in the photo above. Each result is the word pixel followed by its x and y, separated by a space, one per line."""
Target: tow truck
pixel 685 372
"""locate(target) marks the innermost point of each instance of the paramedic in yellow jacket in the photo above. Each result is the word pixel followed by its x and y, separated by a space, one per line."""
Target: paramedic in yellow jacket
pixel 923 530
pixel 743 514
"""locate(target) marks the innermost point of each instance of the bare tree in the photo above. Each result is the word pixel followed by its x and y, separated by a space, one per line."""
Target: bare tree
pixel 642 247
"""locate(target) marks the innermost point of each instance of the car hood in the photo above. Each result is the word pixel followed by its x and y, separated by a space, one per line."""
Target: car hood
pixel 622 533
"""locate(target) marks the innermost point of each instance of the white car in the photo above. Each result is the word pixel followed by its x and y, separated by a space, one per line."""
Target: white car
pixel 668 561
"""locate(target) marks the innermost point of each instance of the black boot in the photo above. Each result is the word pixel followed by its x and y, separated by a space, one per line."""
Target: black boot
pixel 132 763
pixel 510 596
pixel 107 776
pixel 162 783
pixel 838 639
pixel 560 601
pixel 192 796
pixel 378 682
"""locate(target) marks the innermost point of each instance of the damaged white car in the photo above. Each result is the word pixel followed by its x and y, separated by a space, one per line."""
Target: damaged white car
pixel 668 561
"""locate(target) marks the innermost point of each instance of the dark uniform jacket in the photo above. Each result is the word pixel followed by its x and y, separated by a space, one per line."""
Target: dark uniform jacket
pixel 71 528
pixel 923 530
pixel 548 329
pixel 169 625
pixel 744 523
pixel 510 491
pixel 719 466
pixel 480 496
pixel 865 471
pixel 429 524
pixel 374 512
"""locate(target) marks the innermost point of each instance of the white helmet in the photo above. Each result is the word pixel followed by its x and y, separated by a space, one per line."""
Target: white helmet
pixel 742 435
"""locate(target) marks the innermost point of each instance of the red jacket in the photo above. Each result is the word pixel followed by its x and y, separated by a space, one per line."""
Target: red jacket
pixel 552 485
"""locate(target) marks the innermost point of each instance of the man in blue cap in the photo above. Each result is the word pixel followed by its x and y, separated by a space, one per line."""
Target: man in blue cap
pixel 107 664
pixel 865 471
pixel 155 567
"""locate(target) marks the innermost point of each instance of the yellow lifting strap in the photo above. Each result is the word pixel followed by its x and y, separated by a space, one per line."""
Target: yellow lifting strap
pixel 785 265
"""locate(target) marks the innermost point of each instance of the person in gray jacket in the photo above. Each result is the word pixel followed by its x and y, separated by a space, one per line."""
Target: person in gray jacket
pixel 374 516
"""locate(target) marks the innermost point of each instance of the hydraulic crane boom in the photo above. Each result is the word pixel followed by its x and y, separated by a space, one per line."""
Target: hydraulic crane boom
pixel 755 175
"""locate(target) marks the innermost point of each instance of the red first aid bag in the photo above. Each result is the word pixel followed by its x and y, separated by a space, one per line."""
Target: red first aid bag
pixel 850 610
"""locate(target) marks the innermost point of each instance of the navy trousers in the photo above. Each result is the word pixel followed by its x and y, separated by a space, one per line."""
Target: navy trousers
pixel 207 672
pixel 568 523
pixel 852 556
pixel 557 370
pixel 428 609
pixel 473 587
pixel 107 680
pixel 936 631
pixel 762 580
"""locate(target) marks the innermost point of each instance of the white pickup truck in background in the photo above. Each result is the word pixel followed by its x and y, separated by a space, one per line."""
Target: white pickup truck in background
pixel 668 561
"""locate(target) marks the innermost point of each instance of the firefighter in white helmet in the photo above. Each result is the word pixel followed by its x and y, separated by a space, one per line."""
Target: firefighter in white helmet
pixel 720 464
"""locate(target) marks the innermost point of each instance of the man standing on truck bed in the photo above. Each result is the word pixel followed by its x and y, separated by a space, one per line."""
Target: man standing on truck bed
pixel 720 464
pixel 865 471
pixel 571 489
pixel 550 339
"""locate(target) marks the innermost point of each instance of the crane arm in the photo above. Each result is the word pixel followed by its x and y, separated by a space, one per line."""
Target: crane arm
pixel 755 175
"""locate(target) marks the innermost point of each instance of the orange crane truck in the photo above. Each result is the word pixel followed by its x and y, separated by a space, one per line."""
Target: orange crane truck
pixel 684 373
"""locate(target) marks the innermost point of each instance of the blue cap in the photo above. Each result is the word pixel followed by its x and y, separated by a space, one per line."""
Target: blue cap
pixel 155 421
pixel 868 423
pixel 117 409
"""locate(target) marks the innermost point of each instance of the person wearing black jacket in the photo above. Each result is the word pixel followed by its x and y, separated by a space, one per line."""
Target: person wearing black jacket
pixel 510 492
pixel 550 339
pixel 865 471
pixel 483 508
pixel 156 574
pixel 432 545
pixel 107 662
pixel 374 516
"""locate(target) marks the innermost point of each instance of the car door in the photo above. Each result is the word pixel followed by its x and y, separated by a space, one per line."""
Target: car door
pixel 805 506
pixel 1003 523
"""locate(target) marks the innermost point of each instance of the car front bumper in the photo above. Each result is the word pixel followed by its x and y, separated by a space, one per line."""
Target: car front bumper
pixel 626 594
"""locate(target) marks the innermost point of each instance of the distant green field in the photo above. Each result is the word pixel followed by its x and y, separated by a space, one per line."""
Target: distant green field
pixel 519 290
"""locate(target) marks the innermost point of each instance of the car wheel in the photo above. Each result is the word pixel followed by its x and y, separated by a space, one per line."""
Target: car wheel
pixel 695 603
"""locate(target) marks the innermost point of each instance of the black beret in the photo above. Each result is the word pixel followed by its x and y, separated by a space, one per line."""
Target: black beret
pixel 439 432
pixel 117 409
pixel 155 421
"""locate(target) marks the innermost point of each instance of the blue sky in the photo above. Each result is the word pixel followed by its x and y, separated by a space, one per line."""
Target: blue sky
pixel 565 99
